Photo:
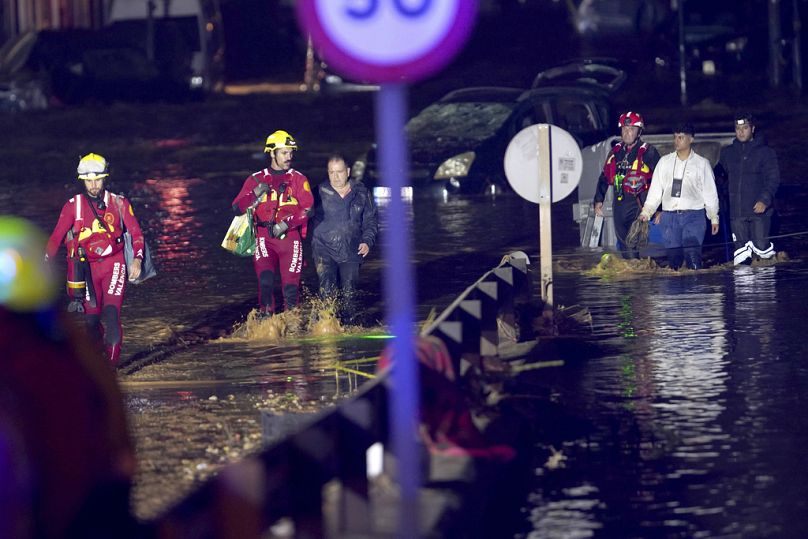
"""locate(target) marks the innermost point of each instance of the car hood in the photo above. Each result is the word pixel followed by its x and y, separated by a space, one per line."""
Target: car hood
pixel 439 149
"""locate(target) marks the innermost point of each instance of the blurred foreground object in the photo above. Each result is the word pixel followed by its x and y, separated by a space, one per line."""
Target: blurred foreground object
pixel 66 461
pixel 26 282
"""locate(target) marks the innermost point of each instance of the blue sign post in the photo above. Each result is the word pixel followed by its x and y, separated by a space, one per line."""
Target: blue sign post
pixel 393 42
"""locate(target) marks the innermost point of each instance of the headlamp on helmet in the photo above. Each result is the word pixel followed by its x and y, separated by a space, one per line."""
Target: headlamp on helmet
pixel 92 167
pixel 631 119
pixel 744 118
pixel 280 139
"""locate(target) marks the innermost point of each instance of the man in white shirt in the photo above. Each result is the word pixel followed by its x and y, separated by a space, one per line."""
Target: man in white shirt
pixel 683 182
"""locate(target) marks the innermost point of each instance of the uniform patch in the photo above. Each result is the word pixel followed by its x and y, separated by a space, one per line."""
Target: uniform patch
pixel 306 187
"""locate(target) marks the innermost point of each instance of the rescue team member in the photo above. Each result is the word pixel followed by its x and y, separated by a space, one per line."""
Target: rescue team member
pixel 281 198
pixel 753 178
pixel 684 183
pixel 345 229
pixel 93 225
pixel 628 168
pixel 66 459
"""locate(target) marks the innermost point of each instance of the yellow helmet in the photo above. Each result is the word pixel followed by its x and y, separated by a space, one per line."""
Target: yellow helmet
pixel 280 139
pixel 26 279
pixel 92 167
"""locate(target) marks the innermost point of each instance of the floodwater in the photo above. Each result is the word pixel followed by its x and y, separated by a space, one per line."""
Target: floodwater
pixel 694 425
pixel 691 423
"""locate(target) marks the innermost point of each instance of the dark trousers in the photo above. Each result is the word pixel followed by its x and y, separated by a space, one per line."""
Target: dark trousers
pixel 338 280
pixel 683 232
pixel 625 212
pixel 755 228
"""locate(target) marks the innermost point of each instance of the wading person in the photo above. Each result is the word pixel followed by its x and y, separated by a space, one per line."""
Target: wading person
pixel 684 183
pixel 753 176
pixel 280 198
pixel 345 228
pixel 628 168
pixel 92 225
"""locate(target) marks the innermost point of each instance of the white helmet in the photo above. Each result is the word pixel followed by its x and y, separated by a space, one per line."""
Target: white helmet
pixel 92 167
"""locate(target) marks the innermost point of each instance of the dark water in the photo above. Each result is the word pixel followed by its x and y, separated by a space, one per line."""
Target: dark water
pixel 695 426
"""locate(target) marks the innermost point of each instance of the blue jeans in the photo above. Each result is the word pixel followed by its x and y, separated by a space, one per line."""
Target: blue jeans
pixel 683 232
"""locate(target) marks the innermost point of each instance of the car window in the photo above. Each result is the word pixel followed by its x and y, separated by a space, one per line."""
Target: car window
pixel 532 112
pixel 474 121
pixel 576 116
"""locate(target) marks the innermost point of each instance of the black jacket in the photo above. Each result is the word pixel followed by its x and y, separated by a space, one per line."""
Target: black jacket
pixel 752 172
pixel 341 224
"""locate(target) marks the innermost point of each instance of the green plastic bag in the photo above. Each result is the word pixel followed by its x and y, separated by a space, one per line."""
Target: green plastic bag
pixel 240 237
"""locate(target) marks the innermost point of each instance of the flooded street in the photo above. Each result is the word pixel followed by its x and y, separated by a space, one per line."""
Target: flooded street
pixel 695 425
pixel 691 424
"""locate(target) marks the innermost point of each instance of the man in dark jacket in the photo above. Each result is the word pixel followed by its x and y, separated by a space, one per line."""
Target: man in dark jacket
pixel 753 174
pixel 345 230
pixel 629 168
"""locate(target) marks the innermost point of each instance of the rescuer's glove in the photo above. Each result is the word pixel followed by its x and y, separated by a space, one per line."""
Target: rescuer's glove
pixel 260 189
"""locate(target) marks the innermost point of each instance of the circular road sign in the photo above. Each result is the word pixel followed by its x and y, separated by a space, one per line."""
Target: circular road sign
pixel 522 163
pixel 387 40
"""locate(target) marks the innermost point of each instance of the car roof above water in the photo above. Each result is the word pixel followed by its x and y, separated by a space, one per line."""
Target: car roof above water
pixel 483 94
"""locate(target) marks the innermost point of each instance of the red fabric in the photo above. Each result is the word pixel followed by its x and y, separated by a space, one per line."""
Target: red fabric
pixel 64 403
pixel 117 215
pixel 643 178
pixel 446 423
pixel 296 193
pixel 283 257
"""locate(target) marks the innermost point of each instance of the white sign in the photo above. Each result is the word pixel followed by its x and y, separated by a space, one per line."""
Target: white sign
pixel 522 164
pixel 387 40
pixel 387 31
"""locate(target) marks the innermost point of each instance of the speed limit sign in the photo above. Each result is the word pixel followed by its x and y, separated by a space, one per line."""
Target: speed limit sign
pixel 387 40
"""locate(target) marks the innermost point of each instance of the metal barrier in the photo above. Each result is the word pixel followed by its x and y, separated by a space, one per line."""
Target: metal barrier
pixel 318 475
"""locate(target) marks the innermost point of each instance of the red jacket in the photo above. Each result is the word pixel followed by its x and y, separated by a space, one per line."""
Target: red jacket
pixel 87 232
pixel 290 189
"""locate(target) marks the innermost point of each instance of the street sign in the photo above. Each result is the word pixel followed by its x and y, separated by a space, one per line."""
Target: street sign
pixel 387 40
pixel 522 164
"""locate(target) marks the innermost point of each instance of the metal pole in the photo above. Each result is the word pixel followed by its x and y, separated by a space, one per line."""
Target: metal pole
pixel 545 219
pixel 150 9
pixel 399 291
pixel 682 54
pixel 775 36
pixel 796 22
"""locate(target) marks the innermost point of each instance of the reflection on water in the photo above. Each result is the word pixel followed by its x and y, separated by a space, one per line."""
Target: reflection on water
pixel 177 232
pixel 201 409
pixel 697 429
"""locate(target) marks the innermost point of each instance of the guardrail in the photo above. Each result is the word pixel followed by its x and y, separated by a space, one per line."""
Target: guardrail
pixel 317 476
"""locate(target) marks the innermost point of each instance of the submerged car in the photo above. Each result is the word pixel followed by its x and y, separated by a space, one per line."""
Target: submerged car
pixel 458 143
pixel 604 73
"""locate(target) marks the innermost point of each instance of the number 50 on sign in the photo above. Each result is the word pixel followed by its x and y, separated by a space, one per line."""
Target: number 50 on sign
pixel 387 40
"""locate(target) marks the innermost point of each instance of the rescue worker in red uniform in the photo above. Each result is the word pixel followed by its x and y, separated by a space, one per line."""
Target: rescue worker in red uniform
pixel 280 198
pixel 628 168
pixel 91 225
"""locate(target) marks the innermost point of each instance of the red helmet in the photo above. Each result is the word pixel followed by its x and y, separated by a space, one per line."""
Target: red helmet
pixel 287 212
pixel 631 119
